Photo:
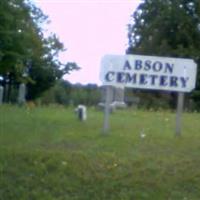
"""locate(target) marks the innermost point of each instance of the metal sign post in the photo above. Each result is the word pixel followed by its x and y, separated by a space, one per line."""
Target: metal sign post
pixel 106 111
pixel 180 102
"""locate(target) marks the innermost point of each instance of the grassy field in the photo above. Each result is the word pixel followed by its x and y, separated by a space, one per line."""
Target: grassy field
pixel 47 154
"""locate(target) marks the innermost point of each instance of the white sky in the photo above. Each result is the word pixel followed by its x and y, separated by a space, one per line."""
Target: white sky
pixel 89 29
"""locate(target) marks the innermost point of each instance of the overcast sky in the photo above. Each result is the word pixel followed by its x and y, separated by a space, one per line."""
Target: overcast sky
pixel 89 29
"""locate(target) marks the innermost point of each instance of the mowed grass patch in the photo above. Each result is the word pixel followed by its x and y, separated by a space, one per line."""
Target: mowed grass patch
pixel 46 153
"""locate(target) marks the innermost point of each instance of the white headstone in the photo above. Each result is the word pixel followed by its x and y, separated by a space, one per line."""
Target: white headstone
pixel 22 94
pixel 1 95
pixel 81 111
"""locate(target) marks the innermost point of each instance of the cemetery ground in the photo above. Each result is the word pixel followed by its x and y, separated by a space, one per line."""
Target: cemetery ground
pixel 47 154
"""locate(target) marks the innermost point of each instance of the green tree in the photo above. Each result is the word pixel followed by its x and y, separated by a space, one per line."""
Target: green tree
pixel 167 28
pixel 72 94
pixel 26 55
pixel 60 93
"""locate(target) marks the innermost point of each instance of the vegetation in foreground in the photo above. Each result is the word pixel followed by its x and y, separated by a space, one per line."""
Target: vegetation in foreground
pixel 47 154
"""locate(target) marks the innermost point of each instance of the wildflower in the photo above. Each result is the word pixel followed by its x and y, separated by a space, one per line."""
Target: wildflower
pixel 142 134
pixel 115 165
pixel 64 163
pixel 166 119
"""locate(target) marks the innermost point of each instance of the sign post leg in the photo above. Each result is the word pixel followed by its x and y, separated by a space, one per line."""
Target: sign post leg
pixel 106 111
pixel 180 102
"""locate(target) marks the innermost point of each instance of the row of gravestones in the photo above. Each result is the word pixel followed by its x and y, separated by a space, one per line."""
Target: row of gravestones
pixel 116 98
pixel 21 99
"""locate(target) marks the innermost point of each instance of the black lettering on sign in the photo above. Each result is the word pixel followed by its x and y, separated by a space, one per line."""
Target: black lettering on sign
pixel 131 78
pixel 184 81
pixel 163 81
pixel 121 77
pixel 157 66
pixel 127 65
pixel 153 79
pixel 147 65
pixel 138 64
pixel 169 68
pixel 109 76
pixel 143 79
pixel 173 81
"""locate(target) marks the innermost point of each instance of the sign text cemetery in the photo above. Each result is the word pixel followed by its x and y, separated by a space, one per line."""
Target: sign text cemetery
pixel 148 72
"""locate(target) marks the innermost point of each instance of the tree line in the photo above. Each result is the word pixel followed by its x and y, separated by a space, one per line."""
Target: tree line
pixel 27 55
pixel 168 28
pixel 67 94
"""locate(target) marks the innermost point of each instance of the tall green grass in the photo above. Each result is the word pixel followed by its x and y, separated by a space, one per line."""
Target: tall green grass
pixel 47 154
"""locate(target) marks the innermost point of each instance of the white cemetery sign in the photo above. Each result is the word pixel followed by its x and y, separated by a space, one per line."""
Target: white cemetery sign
pixel 149 72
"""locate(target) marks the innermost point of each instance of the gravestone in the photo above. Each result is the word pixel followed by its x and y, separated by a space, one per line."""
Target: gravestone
pixel 116 96
pixel 81 111
pixel 132 101
pixel 22 94
pixel 1 95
